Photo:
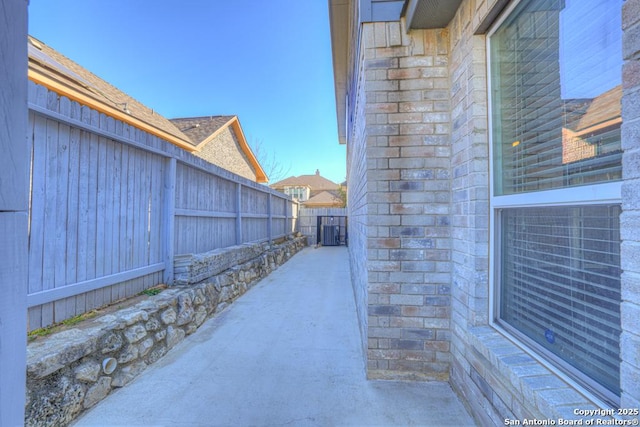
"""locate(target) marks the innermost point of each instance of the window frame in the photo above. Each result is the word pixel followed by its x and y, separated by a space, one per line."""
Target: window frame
pixel 583 195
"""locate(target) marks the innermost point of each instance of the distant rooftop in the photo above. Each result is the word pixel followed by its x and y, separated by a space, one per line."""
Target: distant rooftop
pixel 315 182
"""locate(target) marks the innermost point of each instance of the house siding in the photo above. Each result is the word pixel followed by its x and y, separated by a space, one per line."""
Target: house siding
pixel 225 151
pixel 418 173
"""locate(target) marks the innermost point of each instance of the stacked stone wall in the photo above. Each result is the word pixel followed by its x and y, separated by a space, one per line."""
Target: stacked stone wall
pixel 70 371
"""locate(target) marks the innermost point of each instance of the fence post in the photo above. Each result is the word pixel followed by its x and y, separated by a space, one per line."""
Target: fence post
pixel 14 175
pixel 288 211
pixel 169 218
pixel 270 220
pixel 239 214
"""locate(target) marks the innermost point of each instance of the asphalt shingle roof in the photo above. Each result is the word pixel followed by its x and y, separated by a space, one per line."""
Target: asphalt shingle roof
pixel 316 182
pixel 323 198
pixel 48 60
pixel 200 128
pixel 603 108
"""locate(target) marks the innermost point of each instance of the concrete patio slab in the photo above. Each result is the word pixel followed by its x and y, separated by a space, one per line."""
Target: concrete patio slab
pixel 287 353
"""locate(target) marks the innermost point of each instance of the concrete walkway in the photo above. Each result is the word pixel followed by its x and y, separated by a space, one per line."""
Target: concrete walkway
pixel 287 353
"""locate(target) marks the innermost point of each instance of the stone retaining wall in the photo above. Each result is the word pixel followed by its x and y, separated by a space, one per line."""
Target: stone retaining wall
pixel 70 371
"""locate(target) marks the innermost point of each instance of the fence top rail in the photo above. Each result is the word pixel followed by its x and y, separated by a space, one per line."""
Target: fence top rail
pixel 164 148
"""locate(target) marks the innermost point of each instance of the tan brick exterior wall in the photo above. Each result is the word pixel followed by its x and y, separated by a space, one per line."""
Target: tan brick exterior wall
pixel 498 380
pixel 402 128
pixel 419 219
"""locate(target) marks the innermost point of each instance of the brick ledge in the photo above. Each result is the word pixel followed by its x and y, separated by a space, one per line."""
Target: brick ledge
pixel 536 387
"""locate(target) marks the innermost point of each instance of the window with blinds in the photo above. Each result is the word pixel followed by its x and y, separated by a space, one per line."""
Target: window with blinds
pixel 555 70
pixel 561 270
pixel 556 92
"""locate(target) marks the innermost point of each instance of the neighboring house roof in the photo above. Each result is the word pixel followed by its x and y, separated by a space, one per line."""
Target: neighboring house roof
pixel 198 129
pixel 595 117
pixel 603 111
pixel 203 130
pixel 324 198
pixel 56 72
pixel 324 193
pixel 315 182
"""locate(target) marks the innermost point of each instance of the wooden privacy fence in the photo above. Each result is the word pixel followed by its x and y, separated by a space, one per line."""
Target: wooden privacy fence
pixel 111 206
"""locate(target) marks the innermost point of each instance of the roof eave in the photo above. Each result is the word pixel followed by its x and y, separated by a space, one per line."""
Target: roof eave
pixel 261 175
pixel 339 25
pixel 234 123
pixel 57 84
pixel 430 14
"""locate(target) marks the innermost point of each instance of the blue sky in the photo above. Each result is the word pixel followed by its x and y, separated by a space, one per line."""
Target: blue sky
pixel 269 62
pixel 587 76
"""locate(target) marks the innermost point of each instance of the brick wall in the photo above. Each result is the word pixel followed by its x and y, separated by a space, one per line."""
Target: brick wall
pixel 630 219
pixel 400 221
pixel 357 211
pixel 497 379
pixel 225 151
pixel 419 221
pixel 472 373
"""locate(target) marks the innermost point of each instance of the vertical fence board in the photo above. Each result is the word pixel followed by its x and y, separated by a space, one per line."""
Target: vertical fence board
pixel 138 216
pixel 107 251
pixel 62 194
pixel 36 215
pixel 122 236
pixel 92 203
pixel 157 189
pixel 101 203
pixel 145 194
pixel 132 169
pixel 115 209
pixel 72 209
pixel 168 220
pixel 131 206
pixel 50 205
pixel 83 216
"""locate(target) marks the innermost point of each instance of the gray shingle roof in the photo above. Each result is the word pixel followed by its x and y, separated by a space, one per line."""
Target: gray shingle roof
pixel 324 198
pixel 49 61
pixel 316 182
pixel 200 128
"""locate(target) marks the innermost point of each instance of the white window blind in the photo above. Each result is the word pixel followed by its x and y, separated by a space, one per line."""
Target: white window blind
pixel 554 124
pixel 561 270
